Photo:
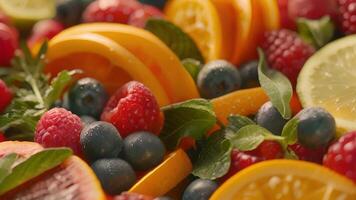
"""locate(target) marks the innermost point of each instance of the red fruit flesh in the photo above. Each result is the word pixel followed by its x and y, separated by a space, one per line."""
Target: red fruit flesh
pixel 45 29
pixel 311 155
pixel 341 156
pixel 59 128
pixel 5 96
pixel 140 16
pixel 8 44
pixel 133 108
pixel 347 16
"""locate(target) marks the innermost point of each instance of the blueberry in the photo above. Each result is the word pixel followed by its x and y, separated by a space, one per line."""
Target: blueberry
pixel 143 150
pixel 316 127
pixel 69 11
pixel 100 140
pixel 87 97
pixel 269 117
pixel 115 175
pixel 200 189
pixel 249 74
pixel 157 3
pixel 218 78
pixel 86 120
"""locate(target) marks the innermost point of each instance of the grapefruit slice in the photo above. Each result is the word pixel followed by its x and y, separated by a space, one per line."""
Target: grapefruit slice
pixel 73 179
pixel 102 59
pixel 286 179
pixel 151 51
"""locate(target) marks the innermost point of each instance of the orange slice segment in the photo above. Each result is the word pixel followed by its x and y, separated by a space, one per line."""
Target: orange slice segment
pixel 103 59
pixel 151 51
pixel 286 180
pixel 200 20
pixel 270 13
pixel 166 176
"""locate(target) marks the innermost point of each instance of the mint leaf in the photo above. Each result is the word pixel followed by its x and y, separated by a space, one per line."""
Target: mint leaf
pixel 190 118
pixel 290 131
pixel 235 123
pixel 34 166
pixel 175 38
pixel 248 137
pixel 192 66
pixel 290 154
pixel 214 159
pixel 6 163
pixel 276 85
pixel 316 32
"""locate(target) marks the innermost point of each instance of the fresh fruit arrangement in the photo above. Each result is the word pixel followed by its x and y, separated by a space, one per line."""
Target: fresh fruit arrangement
pixel 177 99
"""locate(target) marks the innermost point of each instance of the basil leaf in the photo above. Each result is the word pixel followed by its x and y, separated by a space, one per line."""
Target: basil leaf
pixel 175 38
pixel 6 163
pixel 249 137
pixel 276 85
pixel 34 166
pixel 190 118
pixel 214 159
pixel 290 131
pixel 316 32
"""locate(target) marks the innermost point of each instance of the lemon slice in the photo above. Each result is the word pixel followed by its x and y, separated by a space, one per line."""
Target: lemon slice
pixel 286 180
pixel 25 12
pixel 200 19
pixel 328 79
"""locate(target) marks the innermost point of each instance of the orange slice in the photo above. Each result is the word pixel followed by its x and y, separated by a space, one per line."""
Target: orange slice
pixel 270 13
pixel 166 176
pixel 200 19
pixel 102 59
pixel 242 102
pixel 151 51
pixel 286 180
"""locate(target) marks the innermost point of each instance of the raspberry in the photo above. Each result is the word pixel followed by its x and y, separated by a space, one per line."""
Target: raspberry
pixel 59 128
pixel 268 150
pixel 5 96
pixel 341 156
pixel 286 21
pixel 117 11
pixel 44 29
pixel 307 154
pixel 8 44
pixel 133 108
pixel 240 160
pixel 2 137
pixel 132 196
pixel 311 9
pixel 286 52
pixel 347 15
pixel 140 16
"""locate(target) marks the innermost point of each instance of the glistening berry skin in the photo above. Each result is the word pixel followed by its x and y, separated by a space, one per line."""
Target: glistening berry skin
pixel 316 127
pixel 199 189
pixel 217 78
pixel 347 14
pixel 249 74
pixel 307 154
pixel 341 156
pixel 269 117
pixel 100 140
pixel 114 174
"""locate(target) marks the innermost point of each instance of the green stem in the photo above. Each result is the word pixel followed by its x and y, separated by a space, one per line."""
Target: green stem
pixel 36 91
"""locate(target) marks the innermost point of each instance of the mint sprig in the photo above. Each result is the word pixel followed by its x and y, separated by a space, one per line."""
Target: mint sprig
pixel 6 164
pixel 276 85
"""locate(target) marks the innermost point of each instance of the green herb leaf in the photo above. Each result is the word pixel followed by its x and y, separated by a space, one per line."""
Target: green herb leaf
pixel 316 32
pixel 192 66
pixel 34 166
pixel 175 38
pixel 235 123
pixel 6 164
pixel 190 118
pixel 248 137
pixel 290 154
pixel 214 159
pixel 276 85
pixel 290 131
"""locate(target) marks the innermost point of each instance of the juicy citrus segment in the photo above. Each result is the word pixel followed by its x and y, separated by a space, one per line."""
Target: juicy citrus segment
pixel 162 62
pixel 103 59
pixel 249 29
pixel 270 13
pixel 286 179
pixel 166 176
pixel 328 79
pixel 243 102
pixel 200 20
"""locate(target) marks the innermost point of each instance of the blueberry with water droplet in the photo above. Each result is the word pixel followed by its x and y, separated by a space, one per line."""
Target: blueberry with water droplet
pixel 199 189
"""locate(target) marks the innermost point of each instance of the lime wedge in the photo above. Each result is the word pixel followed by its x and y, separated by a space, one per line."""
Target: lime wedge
pixel 26 12
pixel 328 79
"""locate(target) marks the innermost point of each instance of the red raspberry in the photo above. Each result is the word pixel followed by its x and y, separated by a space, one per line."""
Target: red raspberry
pixel 140 16
pixel 240 160
pixel 311 155
pixel 8 44
pixel 347 15
pixel 311 9
pixel 133 108
pixel 286 52
pixel 132 196
pixel 268 150
pixel 286 21
pixel 4 19
pixel 5 96
pixel 341 156
pixel 45 29
pixel 117 11
pixel 2 137
pixel 59 128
